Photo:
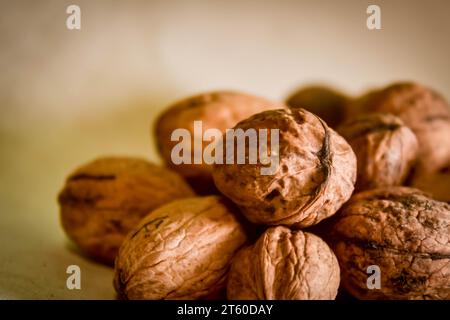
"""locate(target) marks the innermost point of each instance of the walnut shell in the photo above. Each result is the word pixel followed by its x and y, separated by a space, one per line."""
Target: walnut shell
pixel 285 265
pixel 327 103
pixel 104 199
pixel 219 110
pixel 358 106
pixel 182 250
pixel 425 112
pixel 436 183
pixel 404 233
pixel 315 175
pixel 385 149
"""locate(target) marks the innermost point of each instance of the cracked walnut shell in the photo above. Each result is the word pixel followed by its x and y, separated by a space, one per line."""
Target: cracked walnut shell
pixel 315 175
pixel 284 265
pixel 385 149
pixel 403 232
pixel 182 250
pixel 106 198
pixel 217 110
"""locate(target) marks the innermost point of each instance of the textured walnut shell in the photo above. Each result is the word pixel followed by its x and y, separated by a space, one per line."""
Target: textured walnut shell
pixel 328 104
pixel 285 265
pixel 182 250
pixel 315 176
pixel 104 199
pixel 425 112
pixel 219 110
pixel 404 233
pixel 385 149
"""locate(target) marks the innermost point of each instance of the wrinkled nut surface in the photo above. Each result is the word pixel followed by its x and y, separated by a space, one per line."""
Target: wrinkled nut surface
pixel 106 198
pixel 425 112
pixel 182 250
pixel 217 110
pixel 315 175
pixel 404 233
pixel 327 103
pixel 285 265
pixel 385 149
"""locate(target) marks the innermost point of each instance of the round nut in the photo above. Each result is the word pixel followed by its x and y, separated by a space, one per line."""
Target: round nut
pixel 106 198
pixel 385 149
pixel 357 106
pixel 425 112
pixel 217 110
pixel 403 233
pixel 436 183
pixel 315 175
pixel 284 265
pixel 182 250
pixel 328 104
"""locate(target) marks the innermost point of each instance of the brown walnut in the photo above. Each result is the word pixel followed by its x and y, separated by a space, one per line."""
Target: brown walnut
pixel 285 265
pixel 327 103
pixel 104 199
pixel 357 106
pixel 425 112
pixel 403 232
pixel 315 175
pixel 385 149
pixel 182 250
pixel 217 110
pixel 436 183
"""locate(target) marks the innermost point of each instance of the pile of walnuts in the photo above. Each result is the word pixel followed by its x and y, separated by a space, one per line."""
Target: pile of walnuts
pixel 360 183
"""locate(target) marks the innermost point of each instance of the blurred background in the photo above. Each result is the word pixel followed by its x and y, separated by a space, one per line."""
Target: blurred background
pixel 68 96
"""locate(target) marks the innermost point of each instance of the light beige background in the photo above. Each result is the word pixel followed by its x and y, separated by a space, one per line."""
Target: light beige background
pixel 69 96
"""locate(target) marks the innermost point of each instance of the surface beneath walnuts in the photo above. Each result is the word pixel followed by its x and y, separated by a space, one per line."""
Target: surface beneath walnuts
pixel 63 103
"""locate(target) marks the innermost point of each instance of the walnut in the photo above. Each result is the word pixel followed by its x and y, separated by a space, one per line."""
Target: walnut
pixel 435 182
pixel 404 233
pixel 315 175
pixel 357 106
pixel 182 250
pixel 219 110
pixel 327 103
pixel 425 112
pixel 285 265
pixel 385 149
pixel 104 199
